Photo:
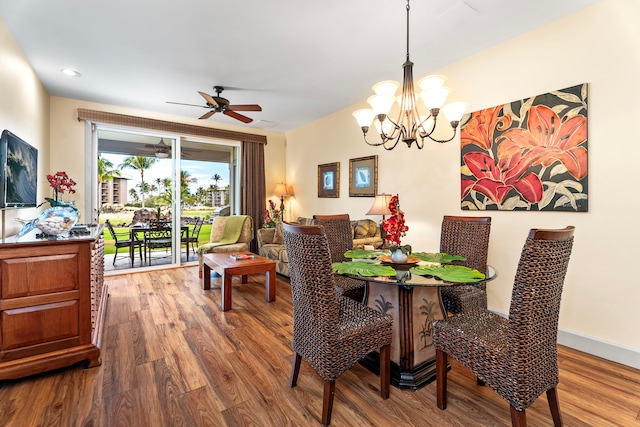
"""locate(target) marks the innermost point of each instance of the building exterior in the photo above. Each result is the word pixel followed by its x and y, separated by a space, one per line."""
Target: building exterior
pixel 114 191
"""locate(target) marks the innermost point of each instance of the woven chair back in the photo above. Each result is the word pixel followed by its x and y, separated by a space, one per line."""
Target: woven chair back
pixel 535 303
pixel 467 237
pixel 315 305
pixel 339 234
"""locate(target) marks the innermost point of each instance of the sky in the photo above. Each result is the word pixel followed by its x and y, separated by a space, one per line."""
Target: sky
pixel 202 171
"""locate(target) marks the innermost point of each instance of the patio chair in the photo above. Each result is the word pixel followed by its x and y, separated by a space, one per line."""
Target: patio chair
pixel 123 240
pixel 331 332
pixel 516 356
pixel 190 239
pixel 156 238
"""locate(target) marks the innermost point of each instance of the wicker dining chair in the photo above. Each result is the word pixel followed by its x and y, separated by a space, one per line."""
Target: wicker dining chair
pixel 516 356
pixel 467 236
pixel 331 332
pixel 339 234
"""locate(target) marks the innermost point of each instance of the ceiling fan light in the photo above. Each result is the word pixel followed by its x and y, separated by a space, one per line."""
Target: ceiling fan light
pixel 432 81
pixel 386 87
pixel 435 97
pixel 162 155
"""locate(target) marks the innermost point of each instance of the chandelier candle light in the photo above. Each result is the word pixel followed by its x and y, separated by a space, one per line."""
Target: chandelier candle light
pixel 410 124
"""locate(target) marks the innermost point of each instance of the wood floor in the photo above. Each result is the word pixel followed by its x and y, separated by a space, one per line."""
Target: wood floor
pixel 170 357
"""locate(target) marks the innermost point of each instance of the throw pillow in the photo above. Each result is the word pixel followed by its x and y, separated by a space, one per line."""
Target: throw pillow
pixel 278 236
pixel 364 229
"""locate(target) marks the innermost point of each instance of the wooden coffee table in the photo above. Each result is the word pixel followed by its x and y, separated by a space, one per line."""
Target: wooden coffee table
pixel 227 267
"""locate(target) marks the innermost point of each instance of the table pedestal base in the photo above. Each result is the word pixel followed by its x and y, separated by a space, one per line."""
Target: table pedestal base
pixel 413 309
pixel 412 379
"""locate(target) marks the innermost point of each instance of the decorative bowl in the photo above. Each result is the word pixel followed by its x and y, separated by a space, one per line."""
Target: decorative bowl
pixel 57 221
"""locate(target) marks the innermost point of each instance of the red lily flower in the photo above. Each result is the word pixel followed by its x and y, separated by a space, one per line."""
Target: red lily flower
pixel 549 139
pixel 481 126
pixel 496 179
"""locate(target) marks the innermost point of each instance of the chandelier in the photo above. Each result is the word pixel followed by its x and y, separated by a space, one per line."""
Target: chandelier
pixel 410 125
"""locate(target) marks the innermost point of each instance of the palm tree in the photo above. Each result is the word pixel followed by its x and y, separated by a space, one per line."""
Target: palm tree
pixel 139 163
pixel 212 190
pixel 106 172
pixel 185 180
pixel 133 194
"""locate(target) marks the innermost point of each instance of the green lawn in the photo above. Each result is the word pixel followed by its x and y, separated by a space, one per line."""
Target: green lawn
pixel 109 242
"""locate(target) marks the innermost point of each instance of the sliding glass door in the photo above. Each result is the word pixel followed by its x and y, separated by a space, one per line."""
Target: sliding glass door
pixel 145 180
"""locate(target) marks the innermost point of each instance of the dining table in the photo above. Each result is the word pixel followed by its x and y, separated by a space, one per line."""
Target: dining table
pixel 142 228
pixel 410 293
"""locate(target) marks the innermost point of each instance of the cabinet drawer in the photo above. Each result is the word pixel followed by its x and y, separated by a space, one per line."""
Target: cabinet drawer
pixel 39 324
pixel 20 277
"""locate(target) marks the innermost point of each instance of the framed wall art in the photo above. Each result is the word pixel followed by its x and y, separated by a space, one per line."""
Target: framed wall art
pixel 329 180
pixel 527 155
pixel 363 176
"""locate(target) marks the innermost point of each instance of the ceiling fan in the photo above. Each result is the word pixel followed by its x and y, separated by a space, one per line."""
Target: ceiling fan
pixel 163 151
pixel 218 104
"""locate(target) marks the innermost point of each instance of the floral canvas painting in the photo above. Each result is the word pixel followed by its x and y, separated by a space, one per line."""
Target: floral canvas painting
pixel 529 154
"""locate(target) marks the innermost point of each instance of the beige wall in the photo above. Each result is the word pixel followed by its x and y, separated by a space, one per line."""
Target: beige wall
pixel 24 110
pixel 599 46
pixel 68 144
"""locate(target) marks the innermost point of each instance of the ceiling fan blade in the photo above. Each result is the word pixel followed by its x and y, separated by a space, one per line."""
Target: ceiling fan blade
pixel 207 115
pixel 209 99
pixel 191 105
pixel 245 107
pixel 238 116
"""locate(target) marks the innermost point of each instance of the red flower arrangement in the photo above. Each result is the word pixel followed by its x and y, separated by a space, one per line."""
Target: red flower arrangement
pixel 271 216
pixel 60 182
pixel 394 226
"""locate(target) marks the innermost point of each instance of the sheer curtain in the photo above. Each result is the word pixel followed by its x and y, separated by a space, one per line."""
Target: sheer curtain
pixel 252 182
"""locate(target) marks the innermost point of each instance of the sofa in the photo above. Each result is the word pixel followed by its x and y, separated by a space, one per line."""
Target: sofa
pixel 217 228
pixel 271 240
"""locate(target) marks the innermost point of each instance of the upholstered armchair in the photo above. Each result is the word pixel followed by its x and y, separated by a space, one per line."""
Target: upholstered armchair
pixel 227 236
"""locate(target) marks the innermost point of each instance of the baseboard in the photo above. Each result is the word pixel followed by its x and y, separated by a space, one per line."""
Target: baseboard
pixel 614 352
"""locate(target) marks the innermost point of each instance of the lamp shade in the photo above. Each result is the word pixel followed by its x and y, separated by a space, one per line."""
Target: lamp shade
pixel 364 117
pixel 454 111
pixel 380 205
pixel 281 190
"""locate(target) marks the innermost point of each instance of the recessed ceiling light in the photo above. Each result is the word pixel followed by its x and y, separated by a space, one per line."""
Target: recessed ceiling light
pixel 70 72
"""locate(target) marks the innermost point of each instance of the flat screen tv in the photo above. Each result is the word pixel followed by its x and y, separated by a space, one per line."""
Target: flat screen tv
pixel 18 172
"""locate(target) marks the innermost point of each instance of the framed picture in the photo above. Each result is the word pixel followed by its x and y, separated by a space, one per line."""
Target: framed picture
pixel 329 180
pixel 363 176
pixel 527 155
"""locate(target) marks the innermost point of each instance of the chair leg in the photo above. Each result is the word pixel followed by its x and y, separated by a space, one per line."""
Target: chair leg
pixel 327 401
pixel 115 256
pixel 518 418
pixel 295 369
pixel 554 406
pixel 441 379
pixel 385 371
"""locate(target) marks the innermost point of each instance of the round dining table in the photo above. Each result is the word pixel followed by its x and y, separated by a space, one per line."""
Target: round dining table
pixel 414 302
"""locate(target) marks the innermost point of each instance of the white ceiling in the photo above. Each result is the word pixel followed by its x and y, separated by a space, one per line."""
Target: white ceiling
pixel 300 60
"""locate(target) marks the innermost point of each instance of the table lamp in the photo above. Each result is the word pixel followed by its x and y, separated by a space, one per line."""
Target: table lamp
pixel 381 207
pixel 282 192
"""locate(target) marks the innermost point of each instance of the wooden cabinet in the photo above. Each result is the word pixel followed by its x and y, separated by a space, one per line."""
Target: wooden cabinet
pixel 52 303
